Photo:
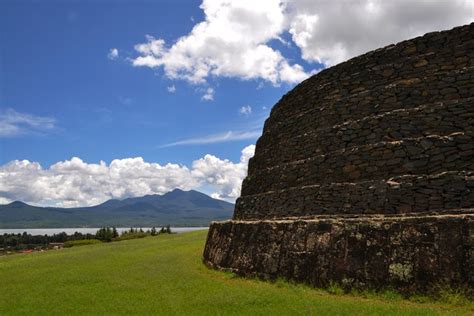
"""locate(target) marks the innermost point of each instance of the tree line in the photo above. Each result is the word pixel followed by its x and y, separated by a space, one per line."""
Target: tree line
pixel 24 241
pixel 108 234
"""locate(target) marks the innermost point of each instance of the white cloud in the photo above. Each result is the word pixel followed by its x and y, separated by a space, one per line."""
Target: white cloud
pixel 13 123
pixel 113 54
pixel 218 138
pixel 223 174
pixel 77 183
pixel 245 110
pixel 208 95
pixel 333 31
pixel 232 41
pixel 234 38
pixel 171 89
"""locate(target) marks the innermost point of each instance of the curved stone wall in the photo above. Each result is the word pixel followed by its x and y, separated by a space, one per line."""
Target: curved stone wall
pixel 409 253
pixel 364 174
pixel 400 111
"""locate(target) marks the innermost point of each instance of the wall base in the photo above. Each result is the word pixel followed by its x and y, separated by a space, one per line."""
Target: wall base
pixel 409 253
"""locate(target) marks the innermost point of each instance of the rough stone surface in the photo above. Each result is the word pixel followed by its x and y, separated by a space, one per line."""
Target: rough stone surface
pixel 364 174
pixel 410 253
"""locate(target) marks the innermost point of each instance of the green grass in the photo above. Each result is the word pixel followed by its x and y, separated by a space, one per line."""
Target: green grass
pixel 81 242
pixel 165 275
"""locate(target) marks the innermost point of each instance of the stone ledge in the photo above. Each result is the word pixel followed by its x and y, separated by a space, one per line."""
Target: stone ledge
pixel 444 214
pixel 410 253
pixel 333 107
pixel 401 194
pixel 388 126
pixel 447 43
pixel 423 155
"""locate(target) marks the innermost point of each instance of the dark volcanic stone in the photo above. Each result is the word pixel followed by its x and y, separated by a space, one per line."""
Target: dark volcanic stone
pixel 364 174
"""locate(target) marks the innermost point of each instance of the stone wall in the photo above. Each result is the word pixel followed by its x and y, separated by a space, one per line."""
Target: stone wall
pixel 364 174
pixel 408 253
pixel 429 119
pixel 424 155
pixel 444 192
pixel 406 109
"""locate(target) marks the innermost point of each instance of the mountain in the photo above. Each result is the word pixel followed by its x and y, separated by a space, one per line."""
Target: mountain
pixel 176 208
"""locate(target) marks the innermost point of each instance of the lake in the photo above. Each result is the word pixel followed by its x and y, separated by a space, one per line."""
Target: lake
pixel 70 231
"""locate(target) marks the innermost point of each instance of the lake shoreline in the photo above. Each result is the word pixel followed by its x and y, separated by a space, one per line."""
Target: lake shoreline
pixel 88 230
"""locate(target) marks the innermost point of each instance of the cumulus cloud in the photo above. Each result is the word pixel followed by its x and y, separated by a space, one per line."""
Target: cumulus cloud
pixel 234 40
pixel 113 54
pixel 13 123
pixel 330 32
pixel 77 183
pixel 224 174
pixel 208 95
pixel 245 110
pixel 171 89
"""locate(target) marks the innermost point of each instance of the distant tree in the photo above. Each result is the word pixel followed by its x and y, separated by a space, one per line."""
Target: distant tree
pixel 100 234
pixel 153 231
pixel 61 237
pixel 165 230
pixel 115 233
pixel 104 234
pixel 9 242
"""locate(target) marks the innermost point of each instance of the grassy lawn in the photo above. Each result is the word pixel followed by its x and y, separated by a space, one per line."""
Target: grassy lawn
pixel 165 275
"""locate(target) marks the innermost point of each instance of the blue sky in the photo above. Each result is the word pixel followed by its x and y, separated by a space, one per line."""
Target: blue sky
pixel 153 95
pixel 55 65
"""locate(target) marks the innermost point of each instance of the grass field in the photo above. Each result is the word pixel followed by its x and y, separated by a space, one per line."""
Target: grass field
pixel 165 275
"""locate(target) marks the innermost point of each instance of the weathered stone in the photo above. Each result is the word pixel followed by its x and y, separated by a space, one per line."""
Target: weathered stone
pixel 364 175
pixel 410 49
pixel 408 253
pixel 420 63
pixel 388 72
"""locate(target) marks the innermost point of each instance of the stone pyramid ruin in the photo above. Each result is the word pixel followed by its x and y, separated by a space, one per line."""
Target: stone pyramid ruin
pixel 364 175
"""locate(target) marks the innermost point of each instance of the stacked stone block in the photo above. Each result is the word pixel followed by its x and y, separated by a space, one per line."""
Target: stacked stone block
pixel 364 174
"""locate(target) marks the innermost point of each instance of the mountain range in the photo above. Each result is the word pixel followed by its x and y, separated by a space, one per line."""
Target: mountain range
pixel 176 208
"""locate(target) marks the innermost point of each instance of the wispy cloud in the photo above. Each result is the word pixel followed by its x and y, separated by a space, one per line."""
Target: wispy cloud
pixel 217 138
pixel 171 89
pixel 125 100
pixel 246 110
pixel 13 123
pixel 113 54
pixel 209 95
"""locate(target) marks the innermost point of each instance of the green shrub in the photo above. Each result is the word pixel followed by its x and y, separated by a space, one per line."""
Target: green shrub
pixel 391 294
pixel 282 282
pixel 335 288
pixel 131 236
pixel 453 296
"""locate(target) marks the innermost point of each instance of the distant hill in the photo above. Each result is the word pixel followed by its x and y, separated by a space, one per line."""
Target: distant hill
pixel 178 208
